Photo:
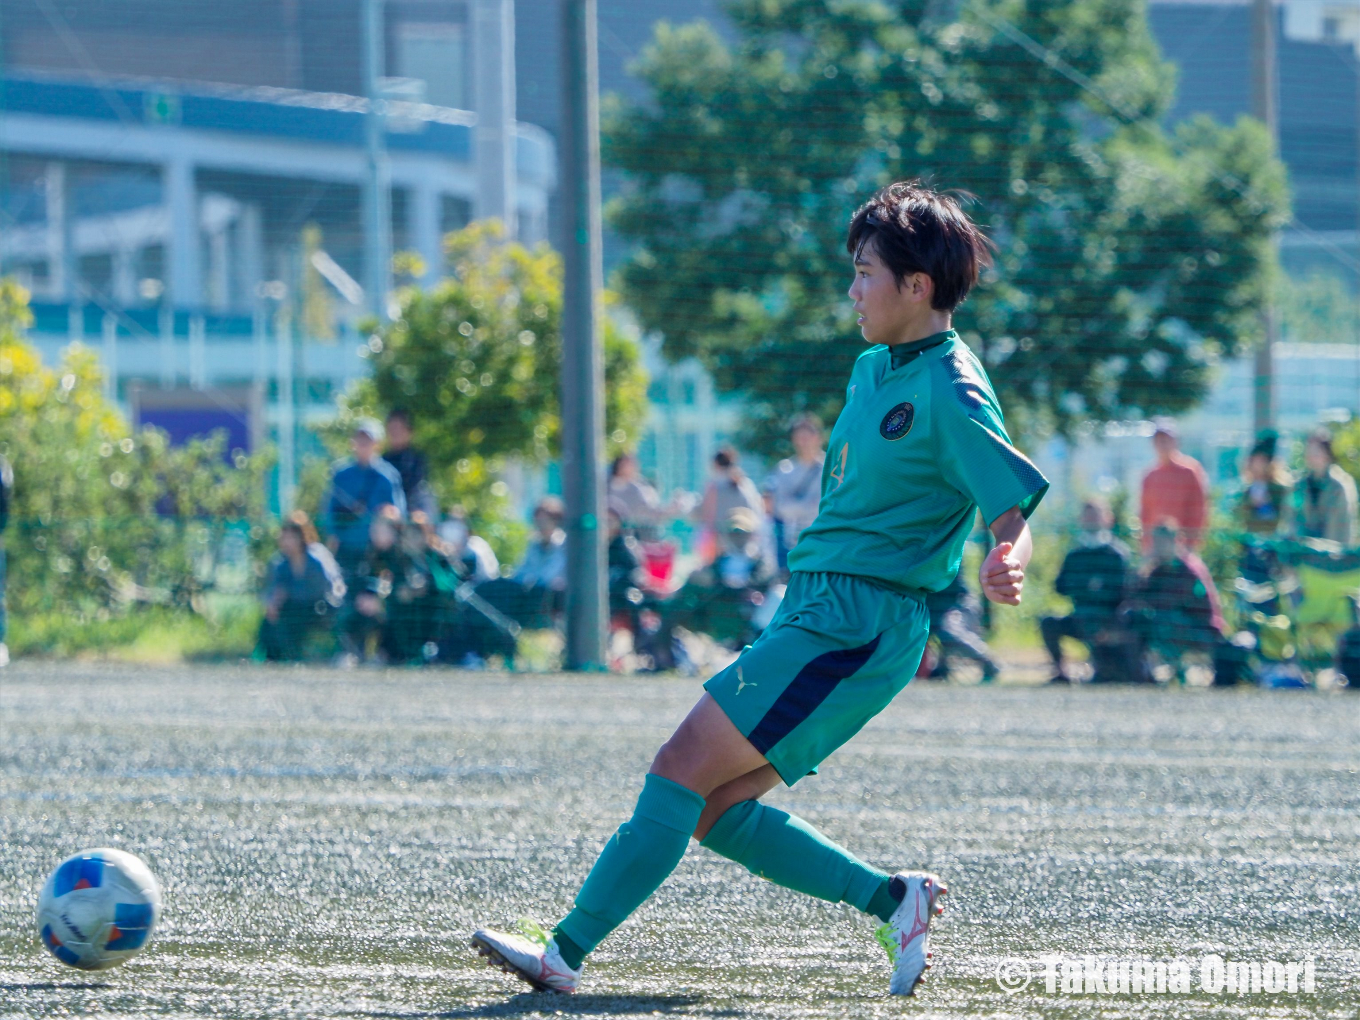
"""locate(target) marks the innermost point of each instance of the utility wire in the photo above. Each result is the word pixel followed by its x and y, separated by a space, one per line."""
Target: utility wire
pixel 1130 116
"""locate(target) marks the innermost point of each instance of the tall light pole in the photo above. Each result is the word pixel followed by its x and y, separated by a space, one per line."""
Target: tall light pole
pixel 1266 108
pixel 582 352
pixel 378 187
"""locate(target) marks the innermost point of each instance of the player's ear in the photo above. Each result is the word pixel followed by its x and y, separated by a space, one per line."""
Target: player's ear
pixel 919 286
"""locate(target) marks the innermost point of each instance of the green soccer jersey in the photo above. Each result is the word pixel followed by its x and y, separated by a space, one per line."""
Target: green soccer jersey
pixel 919 448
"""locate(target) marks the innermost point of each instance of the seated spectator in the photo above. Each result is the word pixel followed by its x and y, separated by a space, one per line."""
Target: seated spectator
pixel 475 558
pixel 728 489
pixel 1264 506
pixel 1095 576
pixel 634 499
pixel 1174 609
pixel 624 571
pixel 302 592
pixel 409 463
pixel 544 566
pixel 364 630
pixel 358 488
pixel 720 599
pixel 956 621
pixel 1328 495
pixel 528 598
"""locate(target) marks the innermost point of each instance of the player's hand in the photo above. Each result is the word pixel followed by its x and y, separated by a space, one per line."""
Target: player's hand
pixel 1001 576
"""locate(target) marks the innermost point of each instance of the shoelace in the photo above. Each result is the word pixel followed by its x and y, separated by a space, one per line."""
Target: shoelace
pixel 533 931
pixel 889 944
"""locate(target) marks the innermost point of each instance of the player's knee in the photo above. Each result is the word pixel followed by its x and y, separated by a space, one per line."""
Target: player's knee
pixel 673 760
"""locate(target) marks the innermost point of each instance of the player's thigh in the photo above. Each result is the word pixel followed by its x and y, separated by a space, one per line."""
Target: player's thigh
pixel 752 786
pixel 706 750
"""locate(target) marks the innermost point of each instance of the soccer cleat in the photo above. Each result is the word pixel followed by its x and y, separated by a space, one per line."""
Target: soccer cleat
pixel 530 955
pixel 906 936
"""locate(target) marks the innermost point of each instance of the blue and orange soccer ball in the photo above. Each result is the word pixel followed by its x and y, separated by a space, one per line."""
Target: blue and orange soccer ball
pixel 98 909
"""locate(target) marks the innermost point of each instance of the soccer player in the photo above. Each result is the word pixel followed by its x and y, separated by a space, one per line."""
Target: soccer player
pixel 918 450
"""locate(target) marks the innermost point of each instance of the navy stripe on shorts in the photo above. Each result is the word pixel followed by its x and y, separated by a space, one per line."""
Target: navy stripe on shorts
pixel 813 685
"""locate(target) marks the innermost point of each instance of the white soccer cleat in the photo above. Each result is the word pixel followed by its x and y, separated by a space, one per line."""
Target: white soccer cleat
pixel 906 936
pixel 531 955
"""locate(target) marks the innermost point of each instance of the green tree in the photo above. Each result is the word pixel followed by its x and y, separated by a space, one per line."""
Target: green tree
pixel 476 360
pixel 1317 309
pixel 1130 258
pixel 104 517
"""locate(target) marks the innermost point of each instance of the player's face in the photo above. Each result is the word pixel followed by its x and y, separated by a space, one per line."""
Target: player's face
pixel 886 311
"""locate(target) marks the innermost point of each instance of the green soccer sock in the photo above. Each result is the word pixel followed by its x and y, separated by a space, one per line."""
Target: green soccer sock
pixel 788 851
pixel 632 865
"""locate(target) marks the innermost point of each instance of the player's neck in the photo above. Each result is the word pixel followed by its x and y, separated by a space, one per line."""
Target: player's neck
pixel 928 324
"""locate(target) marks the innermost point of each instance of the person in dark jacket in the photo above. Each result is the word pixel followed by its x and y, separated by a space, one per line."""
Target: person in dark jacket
pixel 358 488
pixel 1174 609
pixel 302 594
pixel 955 621
pixel 1094 576
pixel 410 464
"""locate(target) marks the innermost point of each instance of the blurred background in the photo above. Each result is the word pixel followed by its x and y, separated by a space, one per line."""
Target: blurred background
pixel 231 234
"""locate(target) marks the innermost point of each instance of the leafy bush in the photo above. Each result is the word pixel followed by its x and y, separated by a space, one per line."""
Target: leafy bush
pixel 104 517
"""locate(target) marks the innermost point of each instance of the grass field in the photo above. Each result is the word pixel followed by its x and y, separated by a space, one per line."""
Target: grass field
pixel 328 840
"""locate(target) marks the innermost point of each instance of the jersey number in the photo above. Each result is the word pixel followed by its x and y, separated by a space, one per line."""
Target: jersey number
pixel 838 472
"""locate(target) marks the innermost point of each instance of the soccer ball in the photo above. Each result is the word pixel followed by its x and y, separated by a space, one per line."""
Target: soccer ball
pixel 98 909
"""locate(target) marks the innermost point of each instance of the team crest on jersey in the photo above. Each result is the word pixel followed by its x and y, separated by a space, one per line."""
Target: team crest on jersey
pixel 897 422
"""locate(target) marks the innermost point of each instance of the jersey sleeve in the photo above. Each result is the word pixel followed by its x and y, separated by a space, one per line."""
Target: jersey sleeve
pixel 976 455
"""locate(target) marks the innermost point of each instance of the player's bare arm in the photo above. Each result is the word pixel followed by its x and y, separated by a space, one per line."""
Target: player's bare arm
pixel 1002 574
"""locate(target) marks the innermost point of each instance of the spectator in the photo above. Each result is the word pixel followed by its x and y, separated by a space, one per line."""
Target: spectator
pixel 528 597
pixel 302 594
pixel 722 598
pixel 358 488
pixel 544 566
pixel 6 484
pixel 421 577
pixel 795 485
pixel 1264 507
pixel 1175 609
pixel 1095 576
pixel 1176 488
pixel 633 499
pixel 955 621
pixel 1329 506
pixel 728 489
pixel 370 586
pixel 624 560
pixel 474 557
pixel 409 463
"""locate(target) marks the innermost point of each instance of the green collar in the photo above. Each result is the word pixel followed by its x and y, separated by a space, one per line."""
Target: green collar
pixel 905 354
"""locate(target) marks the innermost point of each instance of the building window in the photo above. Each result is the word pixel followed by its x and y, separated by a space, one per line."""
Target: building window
pixel 455 213
pixel 434 53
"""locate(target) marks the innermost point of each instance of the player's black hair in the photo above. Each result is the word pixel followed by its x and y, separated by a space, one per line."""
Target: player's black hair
pixel 402 415
pixel 915 229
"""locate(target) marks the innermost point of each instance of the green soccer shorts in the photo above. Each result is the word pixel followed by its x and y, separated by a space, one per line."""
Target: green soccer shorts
pixel 838 650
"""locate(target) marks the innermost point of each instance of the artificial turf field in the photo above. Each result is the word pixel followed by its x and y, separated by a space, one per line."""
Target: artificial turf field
pixel 327 841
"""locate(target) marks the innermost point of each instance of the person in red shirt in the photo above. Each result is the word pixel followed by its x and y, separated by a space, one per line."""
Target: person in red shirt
pixel 1176 488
